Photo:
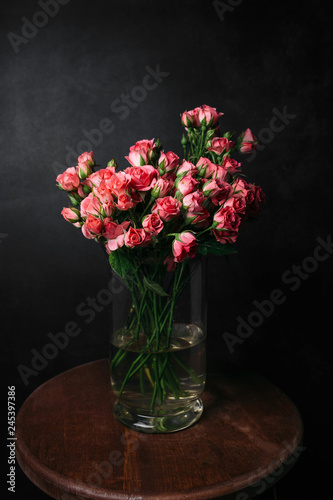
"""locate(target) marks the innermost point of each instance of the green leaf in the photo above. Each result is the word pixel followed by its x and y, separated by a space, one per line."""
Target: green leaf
pixel 216 248
pixel 154 287
pixel 119 263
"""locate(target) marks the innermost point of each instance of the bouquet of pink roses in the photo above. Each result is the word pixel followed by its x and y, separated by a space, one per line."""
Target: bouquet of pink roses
pixel 156 215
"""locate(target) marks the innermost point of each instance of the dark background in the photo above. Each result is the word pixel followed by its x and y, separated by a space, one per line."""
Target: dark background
pixel 252 59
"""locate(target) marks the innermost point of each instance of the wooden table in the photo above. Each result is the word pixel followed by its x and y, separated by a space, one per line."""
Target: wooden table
pixel 70 445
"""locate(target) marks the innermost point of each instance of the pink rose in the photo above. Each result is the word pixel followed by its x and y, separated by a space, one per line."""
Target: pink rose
pixel 184 245
pixel 208 116
pixel 84 189
pixel 119 182
pixel 220 145
pixel 227 218
pixel 104 174
pixel 143 145
pixel 96 178
pixel 108 208
pixel 72 215
pixel 167 208
pixel 103 192
pixel 199 218
pixel 124 202
pixel 230 165
pixel 186 167
pixel 227 225
pixel 137 158
pixel 136 237
pixel 69 180
pixel 206 168
pixel 87 158
pixel 221 173
pixel 142 178
pixel 186 184
pixel 193 201
pixel 203 115
pixel 161 188
pixel 217 190
pixel 94 225
pixel 152 224
pixel 248 143
pixel 86 233
pixel 240 187
pixel 238 203
pixel 115 234
pixel 90 206
pixel 140 154
pixel 168 161
pixel 191 118
pixel 83 170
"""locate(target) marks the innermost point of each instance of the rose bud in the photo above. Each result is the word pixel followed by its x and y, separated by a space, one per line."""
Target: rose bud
pixel 248 142
pixel 84 189
pixel 87 158
pixel 186 184
pixel 208 116
pixel 108 208
pixel 217 190
pixel 83 170
pixel 206 168
pixel 240 187
pixel 161 188
pixel 218 145
pixel 190 118
pixel 140 154
pixel 184 245
pixel 72 215
pixel 90 206
pixel 185 168
pixel 193 201
pixel 112 165
pixel 168 161
pixel 199 218
pixel 230 165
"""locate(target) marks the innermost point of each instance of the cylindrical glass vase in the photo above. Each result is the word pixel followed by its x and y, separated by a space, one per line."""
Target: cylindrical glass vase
pixel 158 345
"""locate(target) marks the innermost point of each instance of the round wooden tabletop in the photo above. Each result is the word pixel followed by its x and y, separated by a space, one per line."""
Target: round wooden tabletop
pixel 70 445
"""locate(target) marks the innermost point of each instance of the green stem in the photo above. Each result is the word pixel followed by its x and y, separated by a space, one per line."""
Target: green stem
pixel 131 372
pixel 190 371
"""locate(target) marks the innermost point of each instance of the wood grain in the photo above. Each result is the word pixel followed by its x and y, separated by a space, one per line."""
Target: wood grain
pixel 70 445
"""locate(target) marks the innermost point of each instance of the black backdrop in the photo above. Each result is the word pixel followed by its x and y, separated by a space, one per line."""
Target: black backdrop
pixel 63 74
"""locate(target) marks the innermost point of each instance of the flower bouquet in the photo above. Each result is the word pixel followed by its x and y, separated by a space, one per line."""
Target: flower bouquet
pixel 157 219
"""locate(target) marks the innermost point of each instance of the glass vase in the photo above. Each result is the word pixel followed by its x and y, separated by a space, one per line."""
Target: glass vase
pixel 158 345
